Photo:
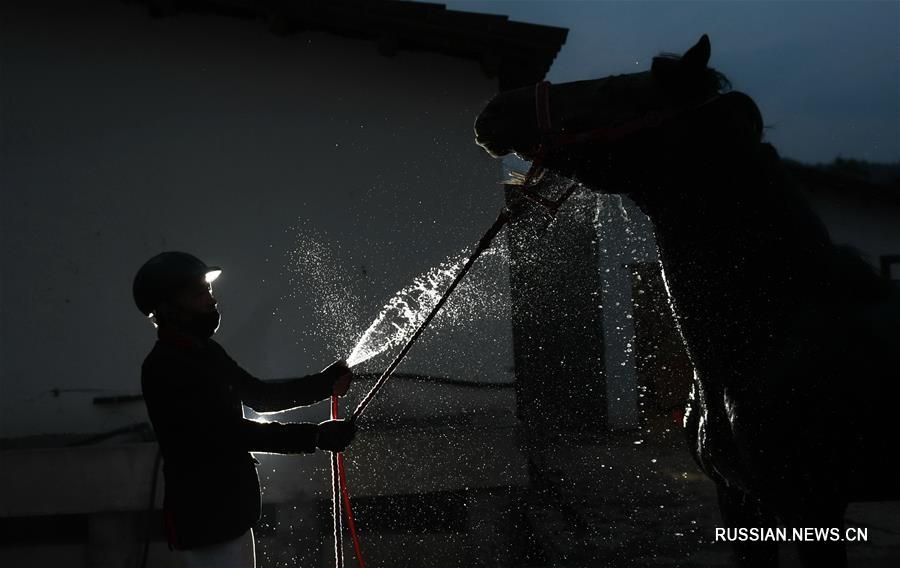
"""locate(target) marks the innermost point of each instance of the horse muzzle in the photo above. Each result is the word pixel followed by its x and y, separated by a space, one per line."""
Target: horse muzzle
pixel 488 133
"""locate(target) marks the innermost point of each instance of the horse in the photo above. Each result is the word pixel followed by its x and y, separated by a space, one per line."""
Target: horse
pixel 793 338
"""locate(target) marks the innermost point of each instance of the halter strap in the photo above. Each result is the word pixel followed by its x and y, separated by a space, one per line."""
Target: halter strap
pixel 550 139
pixel 542 106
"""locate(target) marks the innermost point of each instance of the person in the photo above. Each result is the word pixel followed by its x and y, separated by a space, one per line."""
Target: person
pixel 195 392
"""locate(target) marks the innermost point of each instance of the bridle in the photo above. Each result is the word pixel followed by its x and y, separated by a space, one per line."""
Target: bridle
pixel 550 140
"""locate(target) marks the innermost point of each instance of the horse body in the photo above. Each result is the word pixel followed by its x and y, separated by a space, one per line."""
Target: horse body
pixel 789 335
pixel 793 339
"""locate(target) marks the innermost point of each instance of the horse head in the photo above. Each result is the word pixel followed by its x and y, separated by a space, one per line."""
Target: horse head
pixel 616 131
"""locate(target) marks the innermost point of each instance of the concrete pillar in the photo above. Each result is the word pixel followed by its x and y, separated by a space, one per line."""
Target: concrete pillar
pixel 616 256
pixel 558 344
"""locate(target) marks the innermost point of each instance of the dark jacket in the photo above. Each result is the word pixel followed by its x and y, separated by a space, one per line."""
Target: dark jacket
pixel 194 393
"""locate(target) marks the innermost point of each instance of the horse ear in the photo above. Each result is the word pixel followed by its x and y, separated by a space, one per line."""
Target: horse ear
pixel 698 56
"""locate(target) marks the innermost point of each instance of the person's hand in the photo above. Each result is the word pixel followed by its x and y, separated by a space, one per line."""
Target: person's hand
pixel 342 377
pixel 335 435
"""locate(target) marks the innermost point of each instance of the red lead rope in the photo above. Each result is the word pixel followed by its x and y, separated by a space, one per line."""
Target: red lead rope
pixel 340 492
pixel 548 140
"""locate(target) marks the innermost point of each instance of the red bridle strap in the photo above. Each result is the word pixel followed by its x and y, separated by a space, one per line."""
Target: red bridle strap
pixel 545 126
pixel 542 106
pixel 550 139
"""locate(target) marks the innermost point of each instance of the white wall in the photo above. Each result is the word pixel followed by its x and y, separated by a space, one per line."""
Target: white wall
pixel 124 136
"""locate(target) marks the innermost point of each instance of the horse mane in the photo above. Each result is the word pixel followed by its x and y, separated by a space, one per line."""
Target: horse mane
pixel 708 80
pixel 737 118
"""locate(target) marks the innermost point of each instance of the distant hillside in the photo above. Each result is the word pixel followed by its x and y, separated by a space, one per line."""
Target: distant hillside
pixel 866 180
pixel 885 174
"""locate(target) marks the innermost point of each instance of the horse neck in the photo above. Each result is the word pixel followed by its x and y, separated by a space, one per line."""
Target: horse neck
pixel 738 243
pixel 743 209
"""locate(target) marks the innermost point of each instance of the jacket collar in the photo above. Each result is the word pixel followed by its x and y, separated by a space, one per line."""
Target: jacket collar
pixel 173 336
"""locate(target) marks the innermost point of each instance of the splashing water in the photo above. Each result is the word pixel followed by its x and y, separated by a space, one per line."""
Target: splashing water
pixel 401 316
pixel 409 307
pixel 315 271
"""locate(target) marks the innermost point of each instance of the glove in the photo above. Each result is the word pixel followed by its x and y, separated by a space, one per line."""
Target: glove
pixel 335 435
pixel 340 375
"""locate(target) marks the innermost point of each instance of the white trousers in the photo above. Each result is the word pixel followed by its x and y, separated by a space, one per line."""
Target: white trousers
pixel 237 553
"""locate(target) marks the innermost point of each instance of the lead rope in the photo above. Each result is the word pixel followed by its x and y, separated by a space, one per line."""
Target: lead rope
pixel 336 496
pixel 339 489
pixel 547 141
pixel 340 492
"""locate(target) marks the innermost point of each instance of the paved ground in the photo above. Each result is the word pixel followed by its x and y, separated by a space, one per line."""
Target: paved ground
pixel 635 500
pixel 641 501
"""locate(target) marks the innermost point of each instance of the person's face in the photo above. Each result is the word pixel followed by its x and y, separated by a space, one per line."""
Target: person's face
pixel 196 298
pixel 193 309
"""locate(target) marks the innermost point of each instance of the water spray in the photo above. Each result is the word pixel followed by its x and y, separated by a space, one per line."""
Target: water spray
pixel 483 245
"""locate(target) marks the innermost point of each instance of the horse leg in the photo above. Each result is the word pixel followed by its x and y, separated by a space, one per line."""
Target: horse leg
pixel 823 515
pixel 740 509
